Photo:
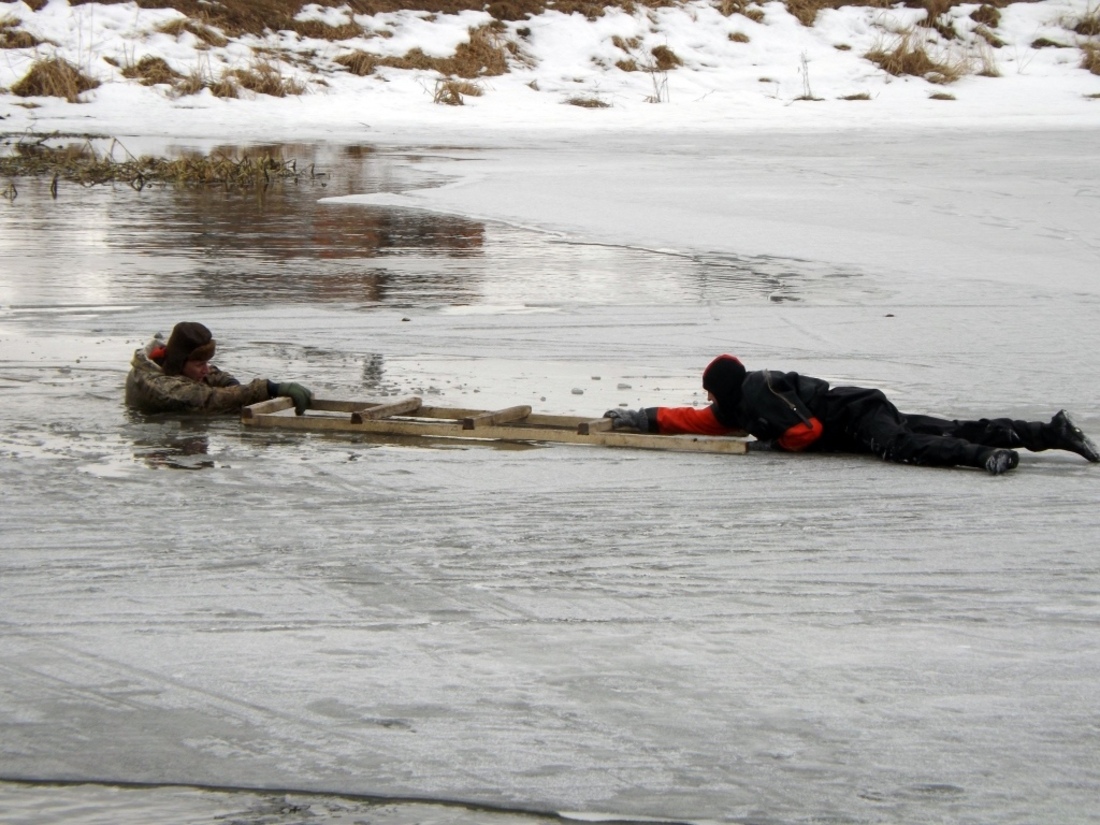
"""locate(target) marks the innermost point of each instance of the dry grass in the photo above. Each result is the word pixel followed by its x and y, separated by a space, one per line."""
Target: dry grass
pixel 239 17
pixel 988 36
pixel 986 61
pixel 265 78
pixel 588 103
pixel 451 92
pixel 941 96
pixel 485 54
pixel 986 15
pixel 664 59
pixel 205 34
pixel 12 37
pixel 1088 24
pixel 152 71
pixel 317 30
pixel 907 56
pixel 1047 43
pixel 491 51
pixel 80 163
pixel 53 77
pixel 746 8
pixel 359 63
pixel 858 96
pixel 1091 58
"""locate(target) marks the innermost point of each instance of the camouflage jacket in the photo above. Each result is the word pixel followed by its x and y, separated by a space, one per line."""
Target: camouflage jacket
pixel 149 390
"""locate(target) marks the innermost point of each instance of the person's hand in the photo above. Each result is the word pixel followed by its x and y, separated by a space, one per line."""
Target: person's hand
pixel 301 397
pixel 759 446
pixel 621 419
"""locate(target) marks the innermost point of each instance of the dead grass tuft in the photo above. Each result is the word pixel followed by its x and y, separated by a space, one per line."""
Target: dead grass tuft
pixel 317 30
pixel 486 54
pixel 858 96
pixel 1091 58
pixel 79 162
pixel 665 59
pixel 152 71
pixel 205 34
pixel 223 87
pixel 13 37
pixel 1088 25
pixel 1047 43
pixel 451 92
pixel 986 15
pixel 908 56
pixel 627 44
pixel 745 8
pixel 941 96
pixel 588 103
pixel 805 11
pixel 54 77
pixel 989 37
pixel 265 78
pixel 987 63
pixel 739 37
pixel 359 63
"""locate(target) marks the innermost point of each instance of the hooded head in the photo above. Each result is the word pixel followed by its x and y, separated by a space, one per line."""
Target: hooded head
pixel 189 341
pixel 723 378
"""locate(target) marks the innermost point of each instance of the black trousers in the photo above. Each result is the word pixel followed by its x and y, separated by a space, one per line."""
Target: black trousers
pixel 861 420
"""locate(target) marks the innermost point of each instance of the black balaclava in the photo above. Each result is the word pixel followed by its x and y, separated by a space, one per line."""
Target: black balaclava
pixel 723 378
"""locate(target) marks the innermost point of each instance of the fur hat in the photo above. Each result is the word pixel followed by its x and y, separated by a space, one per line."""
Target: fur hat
pixel 723 378
pixel 189 341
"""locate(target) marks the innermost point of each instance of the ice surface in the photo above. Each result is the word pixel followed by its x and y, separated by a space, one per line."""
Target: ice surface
pixel 766 639
pixel 763 638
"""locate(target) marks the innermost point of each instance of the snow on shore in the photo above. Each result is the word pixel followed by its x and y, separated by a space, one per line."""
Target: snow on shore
pixel 738 73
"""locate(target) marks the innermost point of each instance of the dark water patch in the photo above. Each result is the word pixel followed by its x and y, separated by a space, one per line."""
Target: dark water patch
pixel 280 243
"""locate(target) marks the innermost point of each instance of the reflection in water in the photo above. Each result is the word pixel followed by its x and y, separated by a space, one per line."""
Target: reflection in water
pixel 185 453
pixel 373 370
pixel 280 243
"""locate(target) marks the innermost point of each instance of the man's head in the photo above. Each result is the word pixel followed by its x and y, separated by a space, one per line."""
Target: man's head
pixel 722 379
pixel 190 347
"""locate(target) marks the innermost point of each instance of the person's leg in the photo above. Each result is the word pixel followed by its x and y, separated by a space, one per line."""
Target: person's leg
pixel 1061 433
pixel 866 421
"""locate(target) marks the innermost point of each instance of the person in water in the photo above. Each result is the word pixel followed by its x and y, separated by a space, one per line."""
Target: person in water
pixel 790 412
pixel 177 377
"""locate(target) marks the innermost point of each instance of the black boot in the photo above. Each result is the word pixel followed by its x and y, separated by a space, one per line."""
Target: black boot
pixel 1068 436
pixel 1000 461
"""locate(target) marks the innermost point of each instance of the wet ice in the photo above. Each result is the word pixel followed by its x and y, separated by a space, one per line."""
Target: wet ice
pixel 766 638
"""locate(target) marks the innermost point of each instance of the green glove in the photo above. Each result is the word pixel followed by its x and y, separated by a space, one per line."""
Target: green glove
pixel 301 397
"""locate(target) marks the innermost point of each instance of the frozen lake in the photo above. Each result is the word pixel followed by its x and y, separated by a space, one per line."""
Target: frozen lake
pixel 630 635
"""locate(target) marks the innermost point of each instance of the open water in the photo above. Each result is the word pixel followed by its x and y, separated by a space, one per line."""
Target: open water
pixel 202 623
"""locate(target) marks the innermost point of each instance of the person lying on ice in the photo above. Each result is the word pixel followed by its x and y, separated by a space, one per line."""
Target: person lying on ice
pixel 178 377
pixel 792 412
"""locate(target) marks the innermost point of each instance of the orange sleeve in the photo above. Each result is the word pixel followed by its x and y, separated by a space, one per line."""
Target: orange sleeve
pixel 801 435
pixel 681 420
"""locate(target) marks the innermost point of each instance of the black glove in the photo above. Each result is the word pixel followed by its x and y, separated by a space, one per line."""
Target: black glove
pixel 621 419
pixel 301 397
pixel 759 446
